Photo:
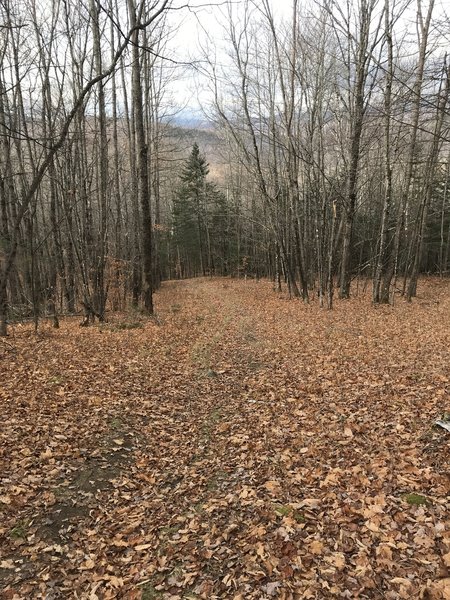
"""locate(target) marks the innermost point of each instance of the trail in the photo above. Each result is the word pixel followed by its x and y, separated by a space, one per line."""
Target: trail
pixel 240 445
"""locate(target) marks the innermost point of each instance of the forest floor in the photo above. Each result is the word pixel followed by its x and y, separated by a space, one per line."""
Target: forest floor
pixel 239 446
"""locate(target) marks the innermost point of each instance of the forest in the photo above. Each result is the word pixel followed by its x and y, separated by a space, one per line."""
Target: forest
pixel 224 300
pixel 331 160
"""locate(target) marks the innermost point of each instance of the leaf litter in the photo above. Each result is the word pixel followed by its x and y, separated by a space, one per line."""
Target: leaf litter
pixel 306 466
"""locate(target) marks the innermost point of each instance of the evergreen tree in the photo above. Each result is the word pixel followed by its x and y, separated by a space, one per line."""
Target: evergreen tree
pixel 201 222
pixel 223 246
pixel 190 217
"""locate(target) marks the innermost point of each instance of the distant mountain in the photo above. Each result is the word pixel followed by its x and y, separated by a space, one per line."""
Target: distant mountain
pixel 190 118
pixel 184 133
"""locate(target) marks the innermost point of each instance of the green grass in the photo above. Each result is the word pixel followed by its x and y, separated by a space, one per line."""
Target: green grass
pixel 116 423
pixel 284 510
pixel 215 415
pixel 170 530
pixel 415 499
pixel 150 593
pixel 19 531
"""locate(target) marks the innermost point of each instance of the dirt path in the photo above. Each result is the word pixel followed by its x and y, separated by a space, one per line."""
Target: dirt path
pixel 240 446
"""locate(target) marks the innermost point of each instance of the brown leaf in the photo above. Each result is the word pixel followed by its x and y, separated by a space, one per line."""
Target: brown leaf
pixel 316 547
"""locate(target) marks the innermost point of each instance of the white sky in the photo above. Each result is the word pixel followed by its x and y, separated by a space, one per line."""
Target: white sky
pixel 204 16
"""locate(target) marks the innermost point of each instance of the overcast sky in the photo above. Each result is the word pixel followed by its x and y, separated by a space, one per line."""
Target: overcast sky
pixel 193 26
pixel 204 20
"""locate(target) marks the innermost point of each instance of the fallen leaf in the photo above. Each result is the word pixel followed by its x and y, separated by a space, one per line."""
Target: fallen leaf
pixel 316 547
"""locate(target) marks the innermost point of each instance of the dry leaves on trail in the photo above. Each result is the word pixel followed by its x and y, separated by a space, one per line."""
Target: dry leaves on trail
pixel 242 446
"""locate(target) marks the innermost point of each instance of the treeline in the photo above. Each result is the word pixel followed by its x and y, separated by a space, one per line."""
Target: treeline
pixel 340 118
pixel 333 127
pixel 81 99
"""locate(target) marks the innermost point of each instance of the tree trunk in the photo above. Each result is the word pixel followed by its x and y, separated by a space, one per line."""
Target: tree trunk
pixel 387 200
pixel 142 166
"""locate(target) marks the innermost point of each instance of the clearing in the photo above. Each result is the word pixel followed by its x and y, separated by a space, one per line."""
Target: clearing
pixel 239 446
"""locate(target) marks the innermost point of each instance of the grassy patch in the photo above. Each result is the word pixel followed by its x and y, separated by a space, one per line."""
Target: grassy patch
pixel 216 480
pixel 169 530
pixel 61 492
pixel 123 325
pixel 213 418
pixel 116 423
pixel 201 355
pixel 134 319
pixel 215 415
pixel 202 351
pixel 19 531
pixel 148 592
pixel 56 380
pixel 299 517
pixel 415 377
pixel 415 499
pixel 198 508
pixel 255 365
pixel 284 510
pixel 281 510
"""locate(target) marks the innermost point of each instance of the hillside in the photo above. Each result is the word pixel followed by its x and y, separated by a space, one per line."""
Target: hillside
pixel 237 446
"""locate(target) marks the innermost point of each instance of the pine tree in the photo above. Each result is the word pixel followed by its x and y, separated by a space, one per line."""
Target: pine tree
pixel 190 216
pixel 200 222
pixel 223 246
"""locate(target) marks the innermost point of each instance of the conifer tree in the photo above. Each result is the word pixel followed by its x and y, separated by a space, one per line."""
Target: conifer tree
pixel 201 222
pixel 190 216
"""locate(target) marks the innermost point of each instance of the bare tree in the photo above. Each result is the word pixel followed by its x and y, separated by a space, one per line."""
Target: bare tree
pixel 41 166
